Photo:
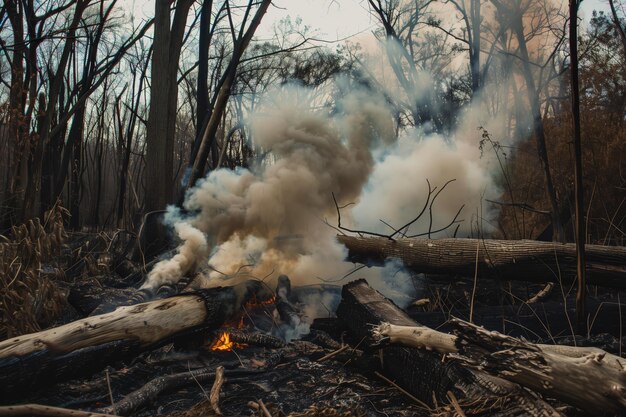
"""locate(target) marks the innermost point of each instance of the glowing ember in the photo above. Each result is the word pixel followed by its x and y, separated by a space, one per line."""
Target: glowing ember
pixel 225 343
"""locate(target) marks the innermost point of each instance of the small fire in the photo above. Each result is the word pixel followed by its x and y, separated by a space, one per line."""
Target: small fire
pixel 225 343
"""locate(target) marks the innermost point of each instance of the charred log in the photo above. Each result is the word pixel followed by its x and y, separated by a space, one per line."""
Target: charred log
pixel 524 260
pixel 423 373
pixel 85 346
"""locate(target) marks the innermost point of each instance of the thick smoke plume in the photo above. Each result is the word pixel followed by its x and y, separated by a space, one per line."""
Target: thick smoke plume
pixel 270 216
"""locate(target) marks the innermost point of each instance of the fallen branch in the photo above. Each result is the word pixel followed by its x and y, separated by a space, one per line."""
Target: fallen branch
pixel 46 411
pixel 422 373
pixel 588 378
pixel 216 389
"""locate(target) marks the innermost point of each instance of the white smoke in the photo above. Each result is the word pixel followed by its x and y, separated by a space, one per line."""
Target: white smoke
pixel 191 252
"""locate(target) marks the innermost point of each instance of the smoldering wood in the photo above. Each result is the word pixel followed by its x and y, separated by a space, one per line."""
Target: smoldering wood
pixel 524 260
pixel 87 345
pixel 588 378
pixel 252 338
pixel 423 373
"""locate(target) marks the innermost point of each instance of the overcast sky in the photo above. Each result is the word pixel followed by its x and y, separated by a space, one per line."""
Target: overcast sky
pixel 334 19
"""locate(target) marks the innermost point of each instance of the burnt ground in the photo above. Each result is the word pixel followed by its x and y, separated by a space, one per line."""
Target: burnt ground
pixel 290 380
pixel 298 384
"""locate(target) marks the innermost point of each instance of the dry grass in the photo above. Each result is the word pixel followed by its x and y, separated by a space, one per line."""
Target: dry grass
pixel 30 299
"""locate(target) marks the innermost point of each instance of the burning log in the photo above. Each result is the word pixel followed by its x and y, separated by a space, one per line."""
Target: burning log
pixel 524 260
pixel 232 337
pixel 588 378
pixel 85 346
pixel 423 373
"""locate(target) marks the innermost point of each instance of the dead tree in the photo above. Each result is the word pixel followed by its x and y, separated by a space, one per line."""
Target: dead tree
pixel 523 260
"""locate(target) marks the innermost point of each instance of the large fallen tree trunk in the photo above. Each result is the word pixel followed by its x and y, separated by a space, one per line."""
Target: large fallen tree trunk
pixel 525 260
pixel 423 373
pixel 85 346
pixel 588 378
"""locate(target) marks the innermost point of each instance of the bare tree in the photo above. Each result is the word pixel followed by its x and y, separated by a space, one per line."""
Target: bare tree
pixel 241 38
pixel 167 44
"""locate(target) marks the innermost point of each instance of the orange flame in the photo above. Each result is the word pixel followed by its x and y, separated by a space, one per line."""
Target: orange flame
pixel 225 343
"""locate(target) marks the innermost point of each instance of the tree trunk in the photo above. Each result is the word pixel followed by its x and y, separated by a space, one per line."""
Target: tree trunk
pixel 163 97
pixel 521 260
pixel 540 137
pixel 423 373
pixel 85 346
pixel 198 164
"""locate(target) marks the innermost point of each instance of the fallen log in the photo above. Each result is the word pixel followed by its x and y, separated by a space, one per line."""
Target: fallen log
pixel 588 378
pixel 423 373
pixel 86 346
pixel 524 260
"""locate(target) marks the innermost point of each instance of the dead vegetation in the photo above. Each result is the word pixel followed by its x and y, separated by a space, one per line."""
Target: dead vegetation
pixel 30 298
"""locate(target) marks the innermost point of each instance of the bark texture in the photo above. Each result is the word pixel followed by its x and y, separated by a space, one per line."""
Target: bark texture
pixel 588 378
pixel 423 373
pixel 85 346
pixel 523 260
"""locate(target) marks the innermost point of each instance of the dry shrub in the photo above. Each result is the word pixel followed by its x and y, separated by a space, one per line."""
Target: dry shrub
pixel 30 299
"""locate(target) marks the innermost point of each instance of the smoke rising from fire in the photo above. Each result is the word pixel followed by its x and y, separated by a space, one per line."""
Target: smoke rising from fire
pixel 270 219
pixel 271 215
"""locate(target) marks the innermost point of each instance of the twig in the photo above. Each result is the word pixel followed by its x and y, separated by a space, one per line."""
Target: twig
pixel 110 391
pixel 406 226
pixel 545 291
pixel 471 313
pixel 402 390
pixel 266 412
pixel 352 230
pixel 430 208
pixel 455 404
pixel 332 354
pixel 215 390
